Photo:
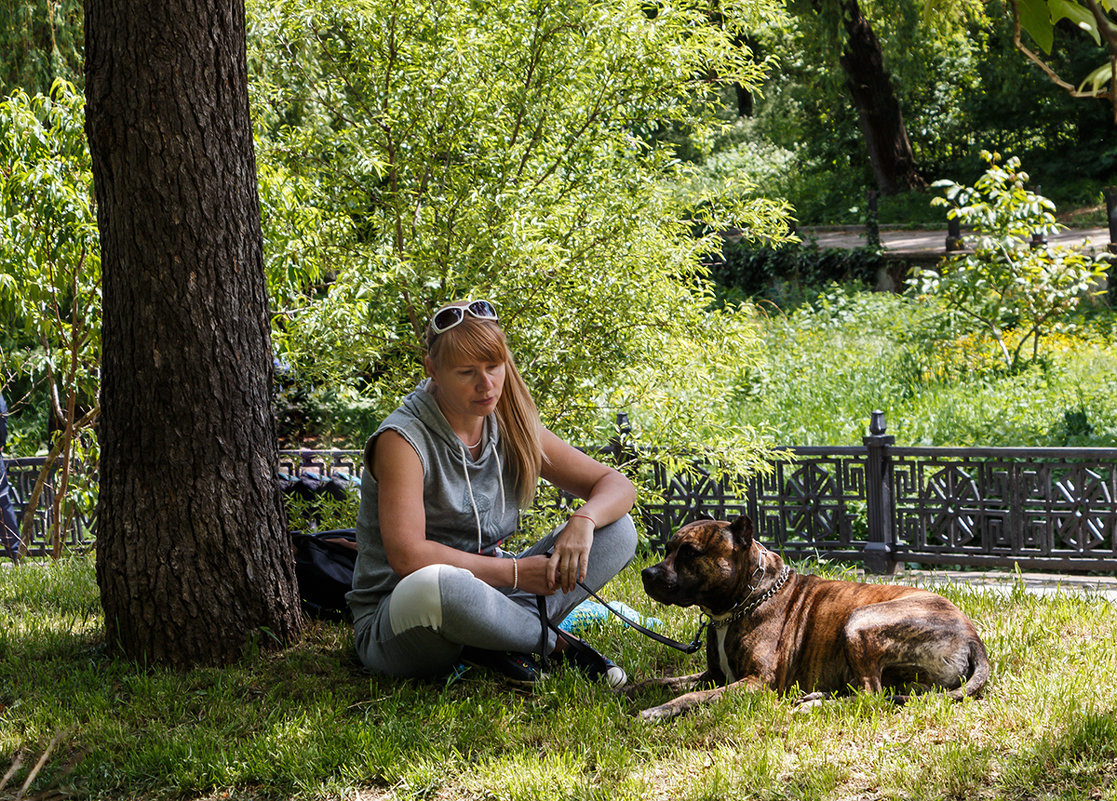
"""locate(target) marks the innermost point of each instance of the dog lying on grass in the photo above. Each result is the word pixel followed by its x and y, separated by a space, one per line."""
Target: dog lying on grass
pixel 772 627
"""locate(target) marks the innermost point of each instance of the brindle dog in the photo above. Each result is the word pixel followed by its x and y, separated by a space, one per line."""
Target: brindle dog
pixel 771 627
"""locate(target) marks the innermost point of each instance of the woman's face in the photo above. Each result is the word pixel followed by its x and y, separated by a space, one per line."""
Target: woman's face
pixel 468 389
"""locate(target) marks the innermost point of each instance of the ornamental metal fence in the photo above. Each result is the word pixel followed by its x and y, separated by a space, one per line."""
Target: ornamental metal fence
pixel 882 505
pixel 37 533
pixel 878 504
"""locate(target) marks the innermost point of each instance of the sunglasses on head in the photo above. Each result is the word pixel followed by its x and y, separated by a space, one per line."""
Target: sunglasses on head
pixel 449 316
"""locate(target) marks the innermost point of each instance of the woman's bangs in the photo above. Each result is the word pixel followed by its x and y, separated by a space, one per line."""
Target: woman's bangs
pixel 471 342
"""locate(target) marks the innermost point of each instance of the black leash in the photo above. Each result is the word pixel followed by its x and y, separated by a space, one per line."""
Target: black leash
pixel 541 602
pixel 688 648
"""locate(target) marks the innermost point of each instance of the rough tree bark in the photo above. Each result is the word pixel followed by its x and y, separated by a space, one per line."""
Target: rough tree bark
pixel 878 111
pixel 192 555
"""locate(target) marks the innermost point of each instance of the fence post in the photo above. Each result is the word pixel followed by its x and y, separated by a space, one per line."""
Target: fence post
pixel 1110 193
pixel 879 557
pixel 954 240
pixel 1111 217
pixel 872 226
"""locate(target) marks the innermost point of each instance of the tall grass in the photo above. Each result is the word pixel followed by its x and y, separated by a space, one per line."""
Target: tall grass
pixel 308 723
pixel 829 363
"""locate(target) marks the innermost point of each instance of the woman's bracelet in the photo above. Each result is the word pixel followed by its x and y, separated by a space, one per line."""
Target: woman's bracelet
pixel 587 517
pixel 515 574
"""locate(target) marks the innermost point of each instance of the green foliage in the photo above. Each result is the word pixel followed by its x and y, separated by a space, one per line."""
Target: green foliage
pixel 48 248
pixel 962 86
pixel 1093 17
pixel 50 271
pixel 826 366
pixel 938 377
pixel 323 512
pixel 40 42
pixel 506 150
pixel 1014 289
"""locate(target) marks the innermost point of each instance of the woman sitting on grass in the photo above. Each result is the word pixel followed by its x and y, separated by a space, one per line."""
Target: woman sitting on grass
pixel 445 478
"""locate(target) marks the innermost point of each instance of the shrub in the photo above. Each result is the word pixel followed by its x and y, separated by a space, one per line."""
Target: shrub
pixel 745 270
pixel 1015 290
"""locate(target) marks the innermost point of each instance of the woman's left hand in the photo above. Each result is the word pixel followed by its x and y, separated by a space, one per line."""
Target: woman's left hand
pixel 571 555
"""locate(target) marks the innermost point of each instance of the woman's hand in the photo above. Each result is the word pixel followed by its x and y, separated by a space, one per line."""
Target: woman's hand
pixel 571 555
pixel 535 575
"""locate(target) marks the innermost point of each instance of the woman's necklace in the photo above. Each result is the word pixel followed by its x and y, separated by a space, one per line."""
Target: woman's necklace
pixel 475 444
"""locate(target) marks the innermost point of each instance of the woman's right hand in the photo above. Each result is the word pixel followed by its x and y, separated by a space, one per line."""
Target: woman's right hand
pixel 533 575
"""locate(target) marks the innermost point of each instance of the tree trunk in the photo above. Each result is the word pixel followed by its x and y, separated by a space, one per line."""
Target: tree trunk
pixel 878 111
pixel 192 554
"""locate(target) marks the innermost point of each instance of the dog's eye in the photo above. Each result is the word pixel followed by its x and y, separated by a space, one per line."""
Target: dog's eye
pixel 688 550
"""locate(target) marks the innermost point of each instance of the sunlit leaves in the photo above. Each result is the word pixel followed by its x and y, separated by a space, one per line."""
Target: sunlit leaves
pixel 505 149
pixel 1010 280
pixel 49 255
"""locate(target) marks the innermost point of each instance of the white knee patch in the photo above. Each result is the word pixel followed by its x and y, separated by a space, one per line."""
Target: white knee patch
pixel 417 601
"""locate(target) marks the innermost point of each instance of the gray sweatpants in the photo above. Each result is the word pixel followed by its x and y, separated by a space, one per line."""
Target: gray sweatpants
pixel 420 628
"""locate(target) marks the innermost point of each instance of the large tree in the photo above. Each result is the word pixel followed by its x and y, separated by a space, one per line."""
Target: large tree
pixel 192 559
pixel 878 109
pixel 843 27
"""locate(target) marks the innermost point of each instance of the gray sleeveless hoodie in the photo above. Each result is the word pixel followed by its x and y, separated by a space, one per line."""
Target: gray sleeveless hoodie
pixel 471 504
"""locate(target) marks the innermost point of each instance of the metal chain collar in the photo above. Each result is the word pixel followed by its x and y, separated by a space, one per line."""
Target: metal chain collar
pixel 735 614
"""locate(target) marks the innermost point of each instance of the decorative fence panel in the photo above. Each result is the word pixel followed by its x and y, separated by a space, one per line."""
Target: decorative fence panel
pixel 1039 508
pixel 812 503
pixel 22 475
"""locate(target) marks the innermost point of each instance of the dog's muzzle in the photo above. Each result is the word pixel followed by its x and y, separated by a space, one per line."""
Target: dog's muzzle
pixel 659 583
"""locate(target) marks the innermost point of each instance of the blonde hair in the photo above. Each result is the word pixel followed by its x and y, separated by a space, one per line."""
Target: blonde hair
pixel 483 340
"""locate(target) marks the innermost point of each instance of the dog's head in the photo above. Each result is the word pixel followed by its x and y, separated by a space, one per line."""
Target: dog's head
pixel 708 563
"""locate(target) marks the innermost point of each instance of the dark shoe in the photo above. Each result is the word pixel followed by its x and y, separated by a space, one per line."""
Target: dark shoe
pixel 579 654
pixel 518 669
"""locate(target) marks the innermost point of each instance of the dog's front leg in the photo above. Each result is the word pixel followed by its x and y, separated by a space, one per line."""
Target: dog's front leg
pixel 679 705
pixel 671 683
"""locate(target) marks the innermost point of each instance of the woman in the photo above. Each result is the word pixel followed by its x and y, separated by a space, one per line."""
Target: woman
pixel 445 478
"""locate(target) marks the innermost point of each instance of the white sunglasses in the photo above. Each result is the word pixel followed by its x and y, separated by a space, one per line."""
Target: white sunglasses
pixel 449 316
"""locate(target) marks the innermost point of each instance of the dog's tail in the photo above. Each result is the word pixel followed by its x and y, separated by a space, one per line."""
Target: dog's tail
pixel 977 672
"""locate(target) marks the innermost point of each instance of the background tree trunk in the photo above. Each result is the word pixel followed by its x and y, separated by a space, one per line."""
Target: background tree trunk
pixel 192 553
pixel 878 111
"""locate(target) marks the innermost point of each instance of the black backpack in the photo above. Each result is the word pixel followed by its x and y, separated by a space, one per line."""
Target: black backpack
pixel 324 562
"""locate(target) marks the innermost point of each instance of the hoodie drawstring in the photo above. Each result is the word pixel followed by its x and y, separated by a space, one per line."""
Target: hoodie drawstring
pixel 500 472
pixel 472 500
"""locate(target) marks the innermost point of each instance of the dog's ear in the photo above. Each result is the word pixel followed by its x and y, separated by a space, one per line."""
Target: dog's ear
pixel 741 529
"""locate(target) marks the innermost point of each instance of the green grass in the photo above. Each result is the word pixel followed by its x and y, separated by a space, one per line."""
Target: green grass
pixel 828 364
pixel 308 724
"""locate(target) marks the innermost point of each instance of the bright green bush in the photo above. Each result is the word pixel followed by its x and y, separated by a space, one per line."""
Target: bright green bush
pixel 507 150
pixel 1015 290
pixel 50 267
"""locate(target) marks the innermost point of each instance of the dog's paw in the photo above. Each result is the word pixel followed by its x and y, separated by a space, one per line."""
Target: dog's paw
pixel 661 712
pixel 809 701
